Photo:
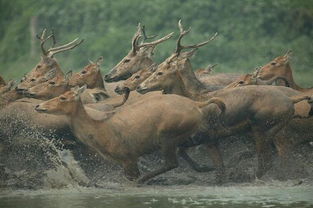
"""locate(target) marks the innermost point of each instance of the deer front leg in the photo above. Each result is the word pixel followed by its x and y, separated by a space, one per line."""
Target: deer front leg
pixel 169 154
pixel 131 169
pixel 264 153
pixel 195 166
pixel 217 160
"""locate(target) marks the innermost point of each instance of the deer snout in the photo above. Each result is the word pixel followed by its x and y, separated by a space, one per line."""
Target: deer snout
pixel 39 109
pixel 141 89
pixel 120 90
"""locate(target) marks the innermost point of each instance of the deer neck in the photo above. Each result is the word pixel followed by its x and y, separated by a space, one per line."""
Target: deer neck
pixel 85 128
pixel 99 83
pixel 191 86
pixel 290 79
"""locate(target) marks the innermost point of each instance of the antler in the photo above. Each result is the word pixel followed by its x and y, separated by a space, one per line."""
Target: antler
pixel 145 37
pixel 183 32
pixel 136 38
pixel 52 51
pixel 43 40
pixel 141 32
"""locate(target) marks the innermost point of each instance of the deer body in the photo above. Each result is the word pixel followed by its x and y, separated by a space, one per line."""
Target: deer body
pixel 134 130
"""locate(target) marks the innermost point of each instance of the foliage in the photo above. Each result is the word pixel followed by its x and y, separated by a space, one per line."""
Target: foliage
pixel 251 32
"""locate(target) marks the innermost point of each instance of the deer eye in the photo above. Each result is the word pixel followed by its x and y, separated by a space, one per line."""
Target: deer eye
pixel 241 82
pixel 38 66
pixel 62 98
pixel 84 72
pixel 52 83
pixel 273 63
pixel 126 60
pixel 32 80
pixel 159 73
pixel 137 77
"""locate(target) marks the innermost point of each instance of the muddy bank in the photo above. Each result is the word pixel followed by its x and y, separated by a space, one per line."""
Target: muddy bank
pixel 34 159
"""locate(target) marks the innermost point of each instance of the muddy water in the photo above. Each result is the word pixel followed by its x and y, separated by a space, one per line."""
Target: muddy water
pixel 157 197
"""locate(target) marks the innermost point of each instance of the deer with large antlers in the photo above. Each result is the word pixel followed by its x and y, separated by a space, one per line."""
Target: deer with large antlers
pixel 48 63
pixel 139 57
pixel 149 128
pixel 251 108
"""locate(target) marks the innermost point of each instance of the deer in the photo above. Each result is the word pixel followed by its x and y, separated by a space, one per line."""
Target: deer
pixel 48 64
pixel 139 57
pixel 250 108
pixel 280 66
pixel 126 140
pixel 298 130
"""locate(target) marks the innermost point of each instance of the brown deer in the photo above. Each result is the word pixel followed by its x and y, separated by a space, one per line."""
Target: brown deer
pixel 47 64
pixel 280 67
pixel 252 109
pixel 298 130
pixel 139 57
pixel 154 124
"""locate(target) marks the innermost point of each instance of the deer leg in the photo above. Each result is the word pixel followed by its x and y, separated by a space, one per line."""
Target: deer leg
pixel 217 160
pixel 195 166
pixel 169 153
pixel 131 169
pixel 264 153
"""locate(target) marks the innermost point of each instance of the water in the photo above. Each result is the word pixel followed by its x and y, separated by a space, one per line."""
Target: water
pixel 157 197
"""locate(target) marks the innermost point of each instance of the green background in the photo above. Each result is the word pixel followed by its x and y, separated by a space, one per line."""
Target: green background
pixel 251 32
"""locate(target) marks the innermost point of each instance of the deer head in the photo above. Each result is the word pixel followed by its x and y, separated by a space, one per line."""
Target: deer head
pixel 90 75
pixel 66 103
pixel 277 67
pixel 47 62
pixel 139 57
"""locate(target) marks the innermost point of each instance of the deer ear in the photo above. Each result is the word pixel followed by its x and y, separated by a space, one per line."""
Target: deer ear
pixel 51 74
pixel 287 56
pixel 99 96
pixel 153 67
pixel 80 90
pixel 99 60
pixel 11 84
pixel 68 75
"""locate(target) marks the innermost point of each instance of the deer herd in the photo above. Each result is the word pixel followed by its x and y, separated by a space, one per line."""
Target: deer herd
pixel 142 106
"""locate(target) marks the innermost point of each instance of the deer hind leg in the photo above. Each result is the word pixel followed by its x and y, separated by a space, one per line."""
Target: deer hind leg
pixel 264 153
pixel 131 169
pixel 217 160
pixel 195 166
pixel 169 154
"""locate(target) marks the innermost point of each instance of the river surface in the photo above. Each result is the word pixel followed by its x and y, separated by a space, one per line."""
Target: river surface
pixel 157 197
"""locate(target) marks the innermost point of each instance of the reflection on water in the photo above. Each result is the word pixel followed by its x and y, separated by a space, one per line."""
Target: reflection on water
pixel 157 197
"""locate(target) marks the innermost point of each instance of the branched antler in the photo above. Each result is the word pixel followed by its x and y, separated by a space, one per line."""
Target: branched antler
pixel 54 50
pixel 141 32
pixel 183 32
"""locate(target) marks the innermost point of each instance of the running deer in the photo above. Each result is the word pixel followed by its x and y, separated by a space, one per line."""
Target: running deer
pixel 154 124
pixel 252 109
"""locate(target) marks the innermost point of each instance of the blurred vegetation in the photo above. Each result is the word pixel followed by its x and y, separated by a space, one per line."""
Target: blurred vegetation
pixel 251 32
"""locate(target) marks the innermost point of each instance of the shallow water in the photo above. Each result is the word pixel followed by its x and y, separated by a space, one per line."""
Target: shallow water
pixel 157 197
